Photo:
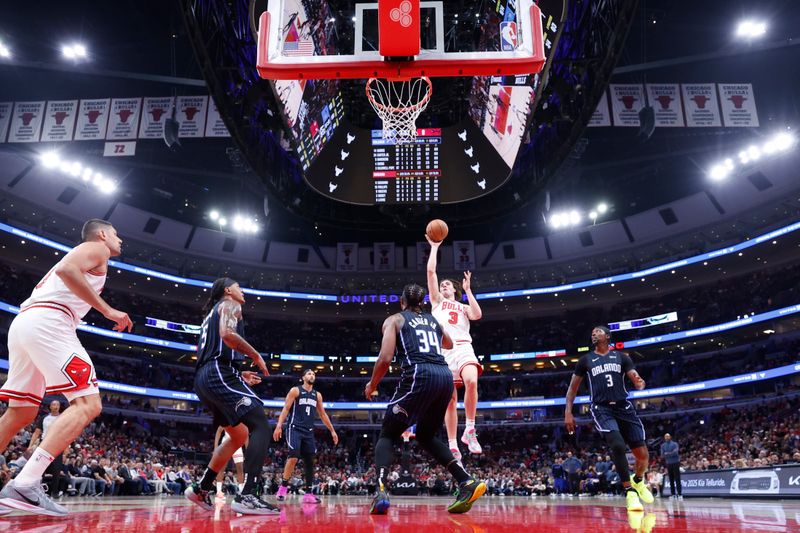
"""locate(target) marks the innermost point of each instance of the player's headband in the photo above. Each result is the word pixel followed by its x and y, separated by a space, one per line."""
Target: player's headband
pixel 604 330
pixel 227 282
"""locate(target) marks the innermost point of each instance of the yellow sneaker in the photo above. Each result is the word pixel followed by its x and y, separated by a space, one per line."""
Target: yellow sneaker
pixel 648 523
pixel 632 500
pixel 644 493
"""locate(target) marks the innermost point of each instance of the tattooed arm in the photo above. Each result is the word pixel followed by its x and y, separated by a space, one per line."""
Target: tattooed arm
pixel 230 313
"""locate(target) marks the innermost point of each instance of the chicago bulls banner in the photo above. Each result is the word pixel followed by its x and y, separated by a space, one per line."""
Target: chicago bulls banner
pixel 665 98
pixel 92 119
pixel 123 121
pixel 701 105
pixel 154 113
pixel 601 116
pixel 192 115
pixel 464 255
pixel 347 256
pixel 423 251
pixel 384 256
pixel 59 120
pixel 738 105
pixel 5 119
pixel 626 101
pixel 26 122
pixel 215 127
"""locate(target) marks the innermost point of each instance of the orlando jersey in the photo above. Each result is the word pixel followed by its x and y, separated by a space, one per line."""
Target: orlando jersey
pixel 303 409
pixel 211 348
pixel 419 340
pixel 605 374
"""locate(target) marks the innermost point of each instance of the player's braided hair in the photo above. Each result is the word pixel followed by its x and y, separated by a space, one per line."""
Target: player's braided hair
pixel 414 295
pixel 217 292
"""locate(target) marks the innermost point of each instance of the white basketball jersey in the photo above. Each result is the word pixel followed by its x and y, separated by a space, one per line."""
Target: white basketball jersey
pixel 453 318
pixel 52 293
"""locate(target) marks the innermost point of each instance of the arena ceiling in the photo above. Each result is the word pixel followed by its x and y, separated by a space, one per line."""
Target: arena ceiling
pixel 138 51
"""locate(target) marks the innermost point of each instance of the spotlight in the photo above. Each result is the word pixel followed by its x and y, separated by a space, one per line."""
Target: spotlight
pixel 107 186
pixel 50 159
pixel 75 169
pixel 743 157
pixel 5 52
pixel 602 208
pixel 223 222
pixel 754 153
pixel 87 174
pixel 751 29
pixel 74 51
pixel 719 172
pixel 574 218
pixel 214 214
pixel 783 141
pixel 593 215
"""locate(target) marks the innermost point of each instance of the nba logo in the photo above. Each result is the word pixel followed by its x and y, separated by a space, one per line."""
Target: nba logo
pixel 508 36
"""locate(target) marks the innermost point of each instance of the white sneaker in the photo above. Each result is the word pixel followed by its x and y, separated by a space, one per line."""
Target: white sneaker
pixel 471 440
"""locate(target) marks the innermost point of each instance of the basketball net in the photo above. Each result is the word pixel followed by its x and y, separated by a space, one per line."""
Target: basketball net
pixel 399 103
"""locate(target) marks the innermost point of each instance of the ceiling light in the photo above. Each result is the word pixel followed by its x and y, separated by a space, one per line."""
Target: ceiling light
pixel 602 208
pixel 593 215
pixel 214 214
pixel 223 222
pixel 50 159
pixel 5 52
pixel 719 172
pixel 574 218
pixel 750 29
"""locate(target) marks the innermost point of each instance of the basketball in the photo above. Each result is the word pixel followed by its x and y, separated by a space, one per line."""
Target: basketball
pixel 437 230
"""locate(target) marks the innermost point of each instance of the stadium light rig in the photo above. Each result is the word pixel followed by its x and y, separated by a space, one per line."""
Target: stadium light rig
pixel 5 51
pixel 751 29
pixel 74 51
pixel 572 218
pixel 239 223
pixel 52 160
pixel 777 144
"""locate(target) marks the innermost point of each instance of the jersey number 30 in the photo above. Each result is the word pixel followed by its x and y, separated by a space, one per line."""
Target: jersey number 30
pixel 427 339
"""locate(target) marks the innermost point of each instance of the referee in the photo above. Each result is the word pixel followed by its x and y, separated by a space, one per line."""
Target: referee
pixel 670 453
pixel 421 397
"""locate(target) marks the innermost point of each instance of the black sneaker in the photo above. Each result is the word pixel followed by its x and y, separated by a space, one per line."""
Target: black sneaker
pixel 249 504
pixel 201 497
pixel 467 493
pixel 380 502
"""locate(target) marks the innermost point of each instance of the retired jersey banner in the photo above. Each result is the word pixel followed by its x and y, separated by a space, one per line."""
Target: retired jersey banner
pixel 154 113
pixel 602 115
pixel 464 255
pixel 700 103
pixel 626 102
pixel 59 120
pixel 738 105
pixel 666 101
pixel 423 251
pixel 26 122
pixel 215 127
pixel 192 115
pixel 5 119
pixel 347 257
pixel 383 253
pixel 124 119
pixel 92 119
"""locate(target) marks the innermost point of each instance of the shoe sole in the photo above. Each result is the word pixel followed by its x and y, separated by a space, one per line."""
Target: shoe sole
pixel 381 507
pixel 195 499
pixel 236 508
pixel 13 503
pixel 463 507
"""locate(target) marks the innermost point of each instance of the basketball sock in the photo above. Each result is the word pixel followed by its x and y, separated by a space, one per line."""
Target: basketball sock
pixel 453 443
pixel 219 487
pixel 636 479
pixel 207 482
pixel 458 472
pixel 383 458
pixel 308 467
pixel 32 472
pixel 284 483
pixel 470 424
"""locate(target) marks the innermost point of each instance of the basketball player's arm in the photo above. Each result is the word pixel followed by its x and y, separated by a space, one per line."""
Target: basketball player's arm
pixel 388 346
pixel 473 310
pixel 572 392
pixel 325 420
pixel 287 404
pixel 633 375
pixel 229 314
pixel 433 280
pixel 72 270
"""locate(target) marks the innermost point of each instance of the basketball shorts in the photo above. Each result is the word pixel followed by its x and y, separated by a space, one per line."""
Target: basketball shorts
pixel 46 357
pixel 621 417
pixel 460 357
pixel 224 393
pixel 421 398
pixel 300 441
pixel 238 455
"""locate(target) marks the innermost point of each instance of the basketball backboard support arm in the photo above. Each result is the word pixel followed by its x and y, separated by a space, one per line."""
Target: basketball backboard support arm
pixel 528 58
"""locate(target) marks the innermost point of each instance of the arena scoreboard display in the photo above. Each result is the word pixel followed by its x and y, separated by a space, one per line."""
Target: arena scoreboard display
pixel 407 173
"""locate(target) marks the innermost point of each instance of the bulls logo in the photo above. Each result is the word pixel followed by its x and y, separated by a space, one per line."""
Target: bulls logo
pixel 93 115
pixel 738 100
pixel 402 14
pixel 700 100
pixel 664 100
pixel 157 113
pixel 124 115
pixel 26 118
pixel 60 116
pixel 628 101
pixel 190 112
pixel 78 372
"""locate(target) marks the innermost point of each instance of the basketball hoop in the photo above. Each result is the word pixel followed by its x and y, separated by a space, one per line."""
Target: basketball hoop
pixel 399 103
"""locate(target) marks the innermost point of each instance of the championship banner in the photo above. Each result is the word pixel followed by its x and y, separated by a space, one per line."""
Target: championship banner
pixel 701 106
pixel 5 119
pixel 215 127
pixel 347 257
pixel 124 119
pixel 192 115
pixel 26 122
pixel 59 120
pixel 383 253
pixel 154 114
pixel 423 251
pixel 738 105
pixel 666 101
pixel 464 255
pixel 782 481
pixel 626 102
pixel 601 116
pixel 92 119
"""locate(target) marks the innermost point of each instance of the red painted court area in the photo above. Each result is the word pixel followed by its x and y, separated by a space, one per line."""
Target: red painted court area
pixel 419 515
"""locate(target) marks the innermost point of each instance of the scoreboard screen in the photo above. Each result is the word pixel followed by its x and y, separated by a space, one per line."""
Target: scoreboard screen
pixel 407 173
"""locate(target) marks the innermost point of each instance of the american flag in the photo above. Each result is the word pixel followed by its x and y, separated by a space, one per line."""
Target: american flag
pixel 303 47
